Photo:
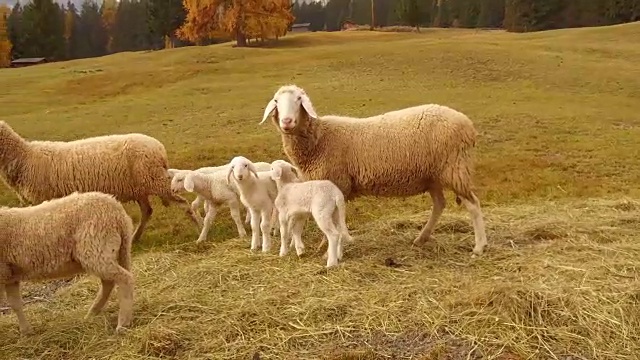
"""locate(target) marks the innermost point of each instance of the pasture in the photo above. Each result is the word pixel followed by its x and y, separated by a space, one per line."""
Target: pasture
pixel 556 172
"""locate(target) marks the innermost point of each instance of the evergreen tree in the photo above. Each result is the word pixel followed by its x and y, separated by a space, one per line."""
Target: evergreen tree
pixel 43 30
pixel 165 17
pixel 93 37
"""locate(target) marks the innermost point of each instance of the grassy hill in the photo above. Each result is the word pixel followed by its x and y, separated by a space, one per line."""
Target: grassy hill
pixel 557 173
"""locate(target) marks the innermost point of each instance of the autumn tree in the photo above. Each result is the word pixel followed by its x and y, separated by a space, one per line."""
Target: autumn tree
pixel 108 13
pixel 5 44
pixel 238 19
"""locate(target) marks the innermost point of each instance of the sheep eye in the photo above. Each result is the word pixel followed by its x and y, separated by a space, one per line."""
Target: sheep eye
pixel 245 165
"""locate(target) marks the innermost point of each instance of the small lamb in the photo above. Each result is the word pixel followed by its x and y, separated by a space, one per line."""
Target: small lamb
pixel 215 191
pixel 320 198
pixel 86 232
pixel 257 192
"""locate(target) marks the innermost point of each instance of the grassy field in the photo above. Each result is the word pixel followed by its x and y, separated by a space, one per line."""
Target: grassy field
pixel 557 173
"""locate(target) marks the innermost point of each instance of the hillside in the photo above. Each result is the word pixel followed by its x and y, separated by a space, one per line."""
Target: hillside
pixel 556 173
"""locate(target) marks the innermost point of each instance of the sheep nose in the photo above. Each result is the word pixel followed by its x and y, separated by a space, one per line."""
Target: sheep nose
pixel 287 120
pixel 239 177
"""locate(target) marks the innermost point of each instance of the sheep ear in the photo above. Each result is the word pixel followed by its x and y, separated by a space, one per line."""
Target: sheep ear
pixel 276 172
pixel 308 107
pixel 229 175
pixel 188 183
pixel 252 168
pixel 270 107
pixel 296 171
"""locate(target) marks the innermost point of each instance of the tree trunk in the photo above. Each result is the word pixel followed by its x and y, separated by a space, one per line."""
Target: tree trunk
pixel 373 16
pixel 241 39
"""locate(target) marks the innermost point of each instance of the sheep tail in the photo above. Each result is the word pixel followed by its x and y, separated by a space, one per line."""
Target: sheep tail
pixel 342 213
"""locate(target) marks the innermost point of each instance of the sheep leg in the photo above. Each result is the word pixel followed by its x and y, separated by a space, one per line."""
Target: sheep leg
pixel 3 298
pixel 298 227
pixel 325 223
pixel 285 226
pixel 274 222
pixel 473 206
pixel 193 215
pixel 145 213
pixel 106 286
pixel 439 203
pixel 15 301
pixel 234 209
pixel 195 208
pixel 247 219
pixel 208 221
pixel 265 227
pixel 255 229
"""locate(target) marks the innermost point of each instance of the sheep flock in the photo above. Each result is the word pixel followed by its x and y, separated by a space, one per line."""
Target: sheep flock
pixel 71 219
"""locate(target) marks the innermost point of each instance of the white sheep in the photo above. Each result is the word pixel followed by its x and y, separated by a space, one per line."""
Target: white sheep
pixel 215 191
pixel 132 167
pixel 86 232
pixel 177 181
pixel 425 148
pixel 257 192
pixel 297 199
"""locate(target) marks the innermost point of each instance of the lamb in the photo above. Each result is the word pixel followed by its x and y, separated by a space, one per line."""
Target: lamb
pixel 215 191
pixel 177 182
pixel 132 167
pixel 86 232
pixel 424 148
pixel 320 198
pixel 257 192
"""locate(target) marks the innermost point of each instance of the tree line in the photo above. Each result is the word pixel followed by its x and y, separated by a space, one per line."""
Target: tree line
pixel 43 28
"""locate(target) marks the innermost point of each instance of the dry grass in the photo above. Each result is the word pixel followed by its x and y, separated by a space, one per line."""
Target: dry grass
pixel 557 112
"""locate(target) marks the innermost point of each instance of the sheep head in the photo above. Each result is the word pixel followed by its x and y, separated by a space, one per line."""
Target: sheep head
pixel 241 168
pixel 282 170
pixel 289 105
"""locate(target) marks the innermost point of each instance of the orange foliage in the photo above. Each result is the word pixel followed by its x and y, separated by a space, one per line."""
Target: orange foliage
pixel 241 19
pixel 109 9
pixel 5 44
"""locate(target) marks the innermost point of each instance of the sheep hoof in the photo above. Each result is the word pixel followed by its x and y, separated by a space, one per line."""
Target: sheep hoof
pixel 120 329
pixel 476 252
pixel 199 241
pixel 419 241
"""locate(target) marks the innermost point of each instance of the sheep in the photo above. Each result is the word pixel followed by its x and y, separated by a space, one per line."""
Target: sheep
pixel 257 193
pixel 320 198
pixel 87 232
pixel 215 191
pixel 177 176
pixel 424 148
pixel 131 167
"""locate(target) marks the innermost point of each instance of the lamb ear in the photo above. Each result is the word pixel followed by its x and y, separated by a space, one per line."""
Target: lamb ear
pixel 308 107
pixel 229 174
pixel 270 107
pixel 276 172
pixel 188 183
pixel 295 171
pixel 252 168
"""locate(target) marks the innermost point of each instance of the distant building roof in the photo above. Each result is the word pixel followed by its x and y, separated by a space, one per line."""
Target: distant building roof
pixel 301 25
pixel 28 60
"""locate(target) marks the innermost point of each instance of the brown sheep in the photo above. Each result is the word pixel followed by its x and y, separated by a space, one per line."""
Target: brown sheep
pixel 425 148
pixel 82 232
pixel 131 167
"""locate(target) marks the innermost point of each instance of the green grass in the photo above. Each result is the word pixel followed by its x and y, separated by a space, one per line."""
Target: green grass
pixel 556 171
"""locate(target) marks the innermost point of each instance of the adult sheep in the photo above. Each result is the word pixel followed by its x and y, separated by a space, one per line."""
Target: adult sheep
pixel 131 167
pixel 425 148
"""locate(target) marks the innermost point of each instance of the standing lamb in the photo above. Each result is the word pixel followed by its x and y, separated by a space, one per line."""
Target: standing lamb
pixel 80 233
pixel 257 192
pixel 320 198
pixel 425 148
pixel 132 167
pixel 178 175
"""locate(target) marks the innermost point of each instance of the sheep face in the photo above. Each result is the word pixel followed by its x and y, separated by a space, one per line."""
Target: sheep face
pixel 280 168
pixel 288 106
pixel 177 182
pixel 241 168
